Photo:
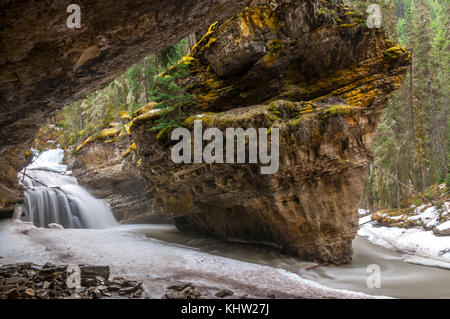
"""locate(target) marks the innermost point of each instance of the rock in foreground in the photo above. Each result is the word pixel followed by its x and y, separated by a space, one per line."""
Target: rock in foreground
pixel 31 281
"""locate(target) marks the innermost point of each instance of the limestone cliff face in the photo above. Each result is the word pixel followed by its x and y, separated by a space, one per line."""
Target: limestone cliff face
pixel 11 161
pixel 108 169
pixel 309 68
pixel 44 65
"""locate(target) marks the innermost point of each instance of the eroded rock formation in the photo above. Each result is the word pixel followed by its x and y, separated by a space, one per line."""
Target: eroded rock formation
pixel 44 65
pixel 12 159
pixel 108 169
pixel 310 68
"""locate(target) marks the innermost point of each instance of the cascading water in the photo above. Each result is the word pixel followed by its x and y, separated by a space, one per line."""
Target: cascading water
pixel 52 196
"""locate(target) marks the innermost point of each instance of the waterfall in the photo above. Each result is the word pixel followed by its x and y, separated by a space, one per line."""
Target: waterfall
pixel 53 196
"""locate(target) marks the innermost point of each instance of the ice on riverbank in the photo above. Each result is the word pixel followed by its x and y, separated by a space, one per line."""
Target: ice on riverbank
pixel 422 243
pixel 157 263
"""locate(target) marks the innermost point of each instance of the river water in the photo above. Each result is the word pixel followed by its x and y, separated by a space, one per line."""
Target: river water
pixel 398 278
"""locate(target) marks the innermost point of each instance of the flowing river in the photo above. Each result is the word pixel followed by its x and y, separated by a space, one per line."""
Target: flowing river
pixel 398 278
pixel 157 252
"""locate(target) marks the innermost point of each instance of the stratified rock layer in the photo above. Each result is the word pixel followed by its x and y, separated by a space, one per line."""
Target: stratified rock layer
pixel 309 68
pixel 12 159
pixel 44 65
pixel 108 169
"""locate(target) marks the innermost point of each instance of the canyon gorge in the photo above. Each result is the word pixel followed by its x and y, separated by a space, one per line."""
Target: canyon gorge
pixel 311 68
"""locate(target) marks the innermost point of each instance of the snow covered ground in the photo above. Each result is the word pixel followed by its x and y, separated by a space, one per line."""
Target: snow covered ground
pixel 157 263
pixel 419 245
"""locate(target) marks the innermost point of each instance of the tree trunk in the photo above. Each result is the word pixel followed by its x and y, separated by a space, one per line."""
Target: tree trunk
pixel 411 99
pixel 437 127
pixel 192 41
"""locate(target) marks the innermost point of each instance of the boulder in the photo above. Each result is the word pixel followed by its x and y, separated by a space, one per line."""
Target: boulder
pixel 55 226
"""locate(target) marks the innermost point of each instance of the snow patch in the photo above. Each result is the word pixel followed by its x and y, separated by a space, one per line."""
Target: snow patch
pixel 424 246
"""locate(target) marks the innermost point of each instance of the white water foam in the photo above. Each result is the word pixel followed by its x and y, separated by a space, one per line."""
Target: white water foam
pixel 51 196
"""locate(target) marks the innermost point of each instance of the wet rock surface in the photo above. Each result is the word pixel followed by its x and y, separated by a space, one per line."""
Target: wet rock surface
pixel 30 281
pixel 182 291
pixel 187 290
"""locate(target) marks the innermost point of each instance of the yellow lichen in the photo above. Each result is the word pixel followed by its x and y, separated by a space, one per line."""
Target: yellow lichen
pixel 188 60
pixel 79 147
pixel 125 116
pixel 128 150
pixel 270 59
pixel 204 40
pixel 126 153
pixel 109 132
pixel 128 127
pixel 104 134
pixel 146 108
pixel 244 28
pixel 151 115
pixel 348 25
pixel 206 100
pixel 394 53
pixel 259 18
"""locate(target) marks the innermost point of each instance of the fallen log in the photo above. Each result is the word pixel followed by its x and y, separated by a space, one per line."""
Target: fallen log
pixel 34 179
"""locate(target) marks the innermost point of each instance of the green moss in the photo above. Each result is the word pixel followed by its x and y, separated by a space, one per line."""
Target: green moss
pixel 169 118
pixel 275 46
pixel 337 110
pixel 273 107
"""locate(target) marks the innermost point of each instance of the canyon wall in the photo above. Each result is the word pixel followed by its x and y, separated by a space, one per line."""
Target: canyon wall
pixel 314 70
pixel 44 65
pixel 108 170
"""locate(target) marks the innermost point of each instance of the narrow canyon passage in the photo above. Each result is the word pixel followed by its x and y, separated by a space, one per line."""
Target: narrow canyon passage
pixel 138 143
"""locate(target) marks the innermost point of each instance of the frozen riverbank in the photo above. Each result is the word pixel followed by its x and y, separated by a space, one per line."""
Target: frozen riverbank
pixel 157 263
pixel 422 243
